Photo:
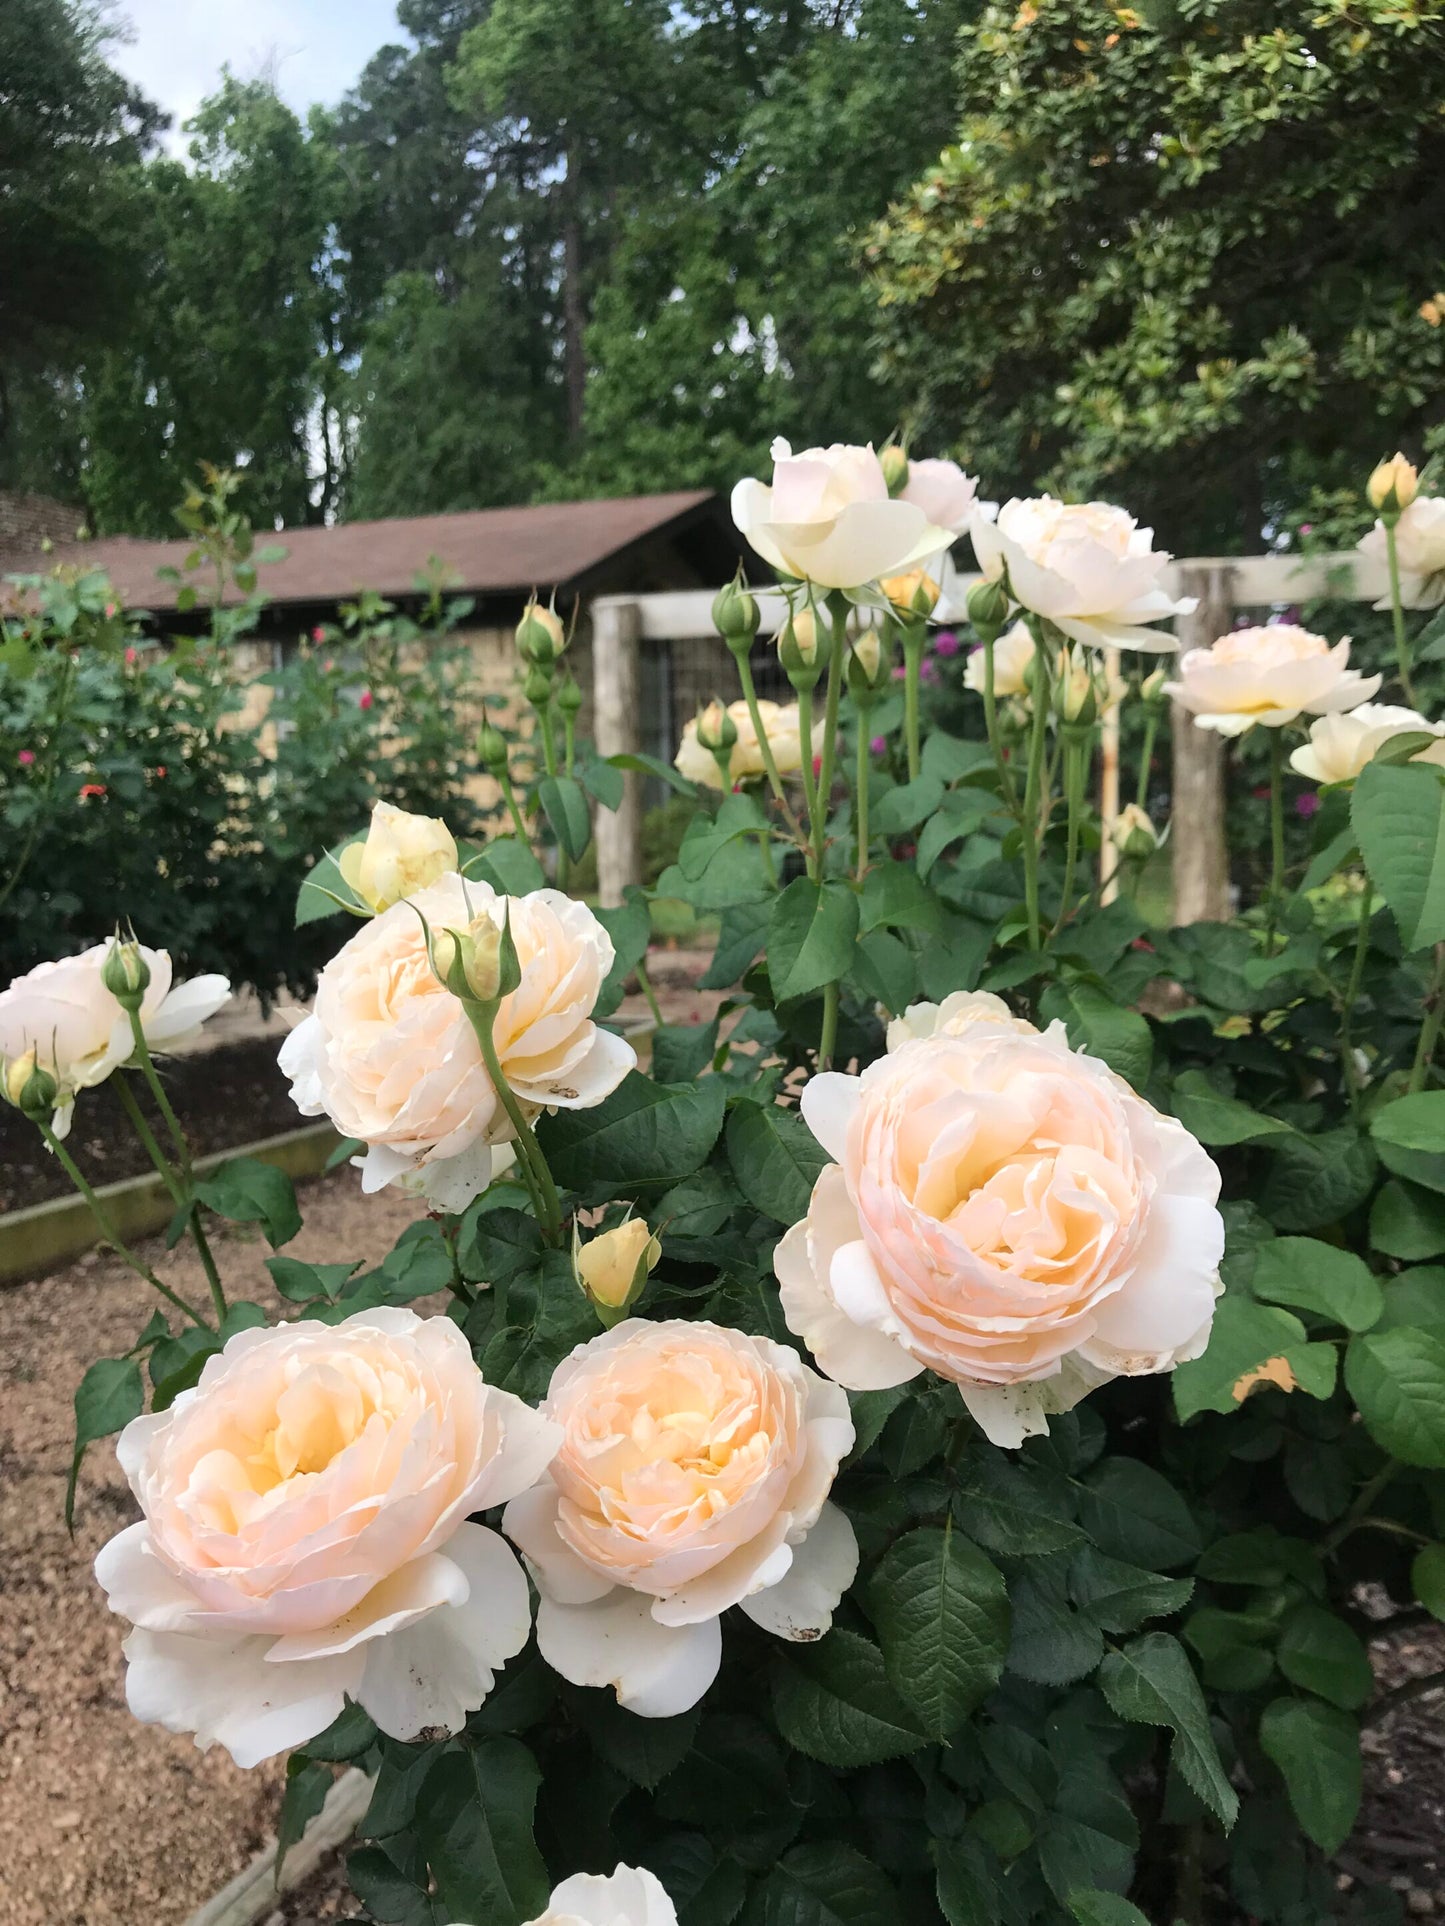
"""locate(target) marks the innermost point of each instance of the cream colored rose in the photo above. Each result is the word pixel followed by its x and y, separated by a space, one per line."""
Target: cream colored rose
pixel 78 1031
pixel 631 1896
pixel 1393 484
pixel 1340 746
pixel 1086 567
pixel 783 729
pixel 400 855
pixel 390 1055
pixel 1006 1212
pixel 612 1267
pixel 693 1475
pixel 1013 655
pixel 1420 548
pixel 827 518
pixel 957 1013
pixel 942 491
pixel 1268 676
pixel 1134 833
pixel 305 1536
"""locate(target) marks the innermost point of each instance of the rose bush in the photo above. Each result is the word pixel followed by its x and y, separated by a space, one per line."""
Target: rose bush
pixel 948 1406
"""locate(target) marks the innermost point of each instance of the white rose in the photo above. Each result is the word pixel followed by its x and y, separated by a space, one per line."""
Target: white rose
pixel 401 854
pixel 391 1057
pixel 1013 653
pixel 1086 567
pixel 305 1536
pixel 827 518
pixel 781 726
pixel 78 1031
pixel 944 493
pixel 631 1896
pixel 1007 1213
pixel 1340 746
pixel 1268 676
pixel 1420 549
pixel 693 1475
pixel 957 1012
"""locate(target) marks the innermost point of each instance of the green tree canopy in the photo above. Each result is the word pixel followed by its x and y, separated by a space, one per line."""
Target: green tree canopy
pixel 1187 259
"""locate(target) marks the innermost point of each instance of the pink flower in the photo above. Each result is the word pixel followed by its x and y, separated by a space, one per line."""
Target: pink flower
pixel 1306 804
pixel 318 634
pixel 1306 528
pixel 25 758
pixel 90 789
pixel 946 643
pixel 879 746
pixel 328 665
pixel 817 767
pixel 365 700
pixel 928 671
pixel 130 658
pixel 1005 1212
pixel 111 609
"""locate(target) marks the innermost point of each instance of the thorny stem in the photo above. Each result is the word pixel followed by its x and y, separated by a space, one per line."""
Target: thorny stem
pixel 183 1157
pixel 765 748
pixel 1363 1499
pixel 838 615
pixel 644 982
pixel 1075 757
pixel 810 791
pixel 530 1159
pixel 1146 760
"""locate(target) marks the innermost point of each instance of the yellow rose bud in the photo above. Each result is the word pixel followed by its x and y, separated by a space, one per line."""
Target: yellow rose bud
pixel 1133 833
pixel 915 593
pixel 715 727
pixel 1151 689
pixel 540 634
pixel 402 854
pixel 18 1072
pixel 1076 697
pixel 612 1268
pixel 894 463
pixel 868 652
pixel 478 951
pixel 1393 486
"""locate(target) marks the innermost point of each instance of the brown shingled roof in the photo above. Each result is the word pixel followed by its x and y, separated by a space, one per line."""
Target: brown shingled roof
pixel 487 550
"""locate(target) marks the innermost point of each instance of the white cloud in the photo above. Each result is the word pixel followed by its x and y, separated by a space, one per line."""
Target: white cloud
pixel 314 49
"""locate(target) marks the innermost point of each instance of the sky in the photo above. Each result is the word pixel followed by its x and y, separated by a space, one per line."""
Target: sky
pixel 314 48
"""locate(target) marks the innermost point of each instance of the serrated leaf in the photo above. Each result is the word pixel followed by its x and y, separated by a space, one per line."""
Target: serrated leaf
pixel 828 1884
pixel 1317 1749
pixel 941 1611
pixel 1104 1909
pixel 1398 816
pixel 834 1702
pixel 109 1395
pixel 1133 1513
pixel 474 1823
pixel 1320 1652
pixel 1397 1378
pixel 811 933
pixel 1320 1277
pixel 246 1191
pixel 644 1133
pixel 1252 1345
pixel 1151 1682
pixel 1119 1597
pixel 775 1158
pixel 564 804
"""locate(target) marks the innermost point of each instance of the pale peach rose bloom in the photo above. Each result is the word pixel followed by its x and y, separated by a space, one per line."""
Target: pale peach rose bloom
pixel 400 854
pixel 1086 567
pixel 782 728
pixel 957 1013
pixel 943 491
pixel 305 1536
pixel 1013 653
pixel 631 1896
pixel 79 1032
pixel 1268 676
pixel 391 1057
pixel 827 518
pixel 1340 746
pixel 1420 548
pixel 693 1475
pixel 1006 1212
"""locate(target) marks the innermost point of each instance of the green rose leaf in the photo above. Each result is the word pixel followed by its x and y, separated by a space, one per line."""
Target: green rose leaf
pixel 1151 1682
pixel 1133 1513
pixel 1120 1037
pixel 1397 1378
pixel 1217 1120
pixel 1252 1345
pixel 1317 1749
pixel 1318 1277
pixel 109 1395
pixel 564 804
pixel 644 1133
pixel 509 865
pixel 828 1884
pixel 1398 816
pixel 905 807
pixel 941 1611
pixel 1104 1909
pixel 1427 1575
pixel 1407 1222
pixel 811 934
pixel 246 1191
pixel 1318 1651
pixel 834 1701
pixel 775 1158
pixel 895 897
pixel 474 1823
pixel 1409 1134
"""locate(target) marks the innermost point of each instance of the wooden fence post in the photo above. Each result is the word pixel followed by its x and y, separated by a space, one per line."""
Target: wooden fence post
pixel 1201 858
pixel 616 696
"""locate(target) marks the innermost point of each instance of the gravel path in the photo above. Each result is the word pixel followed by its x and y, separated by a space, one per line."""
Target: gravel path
pixel 107 1822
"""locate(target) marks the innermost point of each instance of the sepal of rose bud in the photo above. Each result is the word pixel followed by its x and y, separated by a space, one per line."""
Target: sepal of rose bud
pixel 798 648
pixel 1154 688
pixel 716 729
pixel 1077 699
pixel 988 607
pixel 735 616
pixel 31 1088
pixel 491 747
pixel 541 637
pixel 1134 834
pixel 893 460
pixel 914 593
pixel 569 696
pixel 612 1268
pixel 1393 486
pixel 538 686
pixel 126 974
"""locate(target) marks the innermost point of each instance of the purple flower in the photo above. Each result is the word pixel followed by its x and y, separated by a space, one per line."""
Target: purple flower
pixel 878 746
pixel 899 673
pixel 1307 803
pixel 928 672
pixel 946 643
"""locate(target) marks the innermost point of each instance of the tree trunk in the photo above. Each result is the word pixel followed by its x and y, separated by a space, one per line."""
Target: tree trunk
pixel 615 699
pixel 573 307
pixel 1201 859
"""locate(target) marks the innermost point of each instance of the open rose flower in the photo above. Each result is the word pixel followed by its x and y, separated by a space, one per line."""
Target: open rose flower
pixel 1013 654
pixel 1086 567
pixel 631 1896
pixel 400 854
pixel 1340 746
pixel 1268 676
pixel 391 1057
pixel 827 518
pixel 1003 1211
pixel 305 1536
pixel 942 491
pixel 1420 549
pixel 693 1475
pixel 745 762
pixel 79 1032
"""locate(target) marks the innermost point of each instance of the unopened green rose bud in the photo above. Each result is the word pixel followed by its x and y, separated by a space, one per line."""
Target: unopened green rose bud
pixel 126 974
pixel 988 607
pixel 735 616
pixel 538 686
pixel 913 593
pixel 1076 697
pixel 894 463
pixel 569 696
pixel 1393 486
pixel 468 962
pixel 540 634
pixel 30 1088
pixel 1152 688
pixel 716 729
pixel 491 748
pixel 800 648
pixel 612 1268
pixel 1134 835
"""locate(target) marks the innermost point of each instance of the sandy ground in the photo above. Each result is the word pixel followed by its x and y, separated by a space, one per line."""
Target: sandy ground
pixel 106 1822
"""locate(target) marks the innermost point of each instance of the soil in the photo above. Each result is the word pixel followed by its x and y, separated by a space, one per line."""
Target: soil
pixel 107 1822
